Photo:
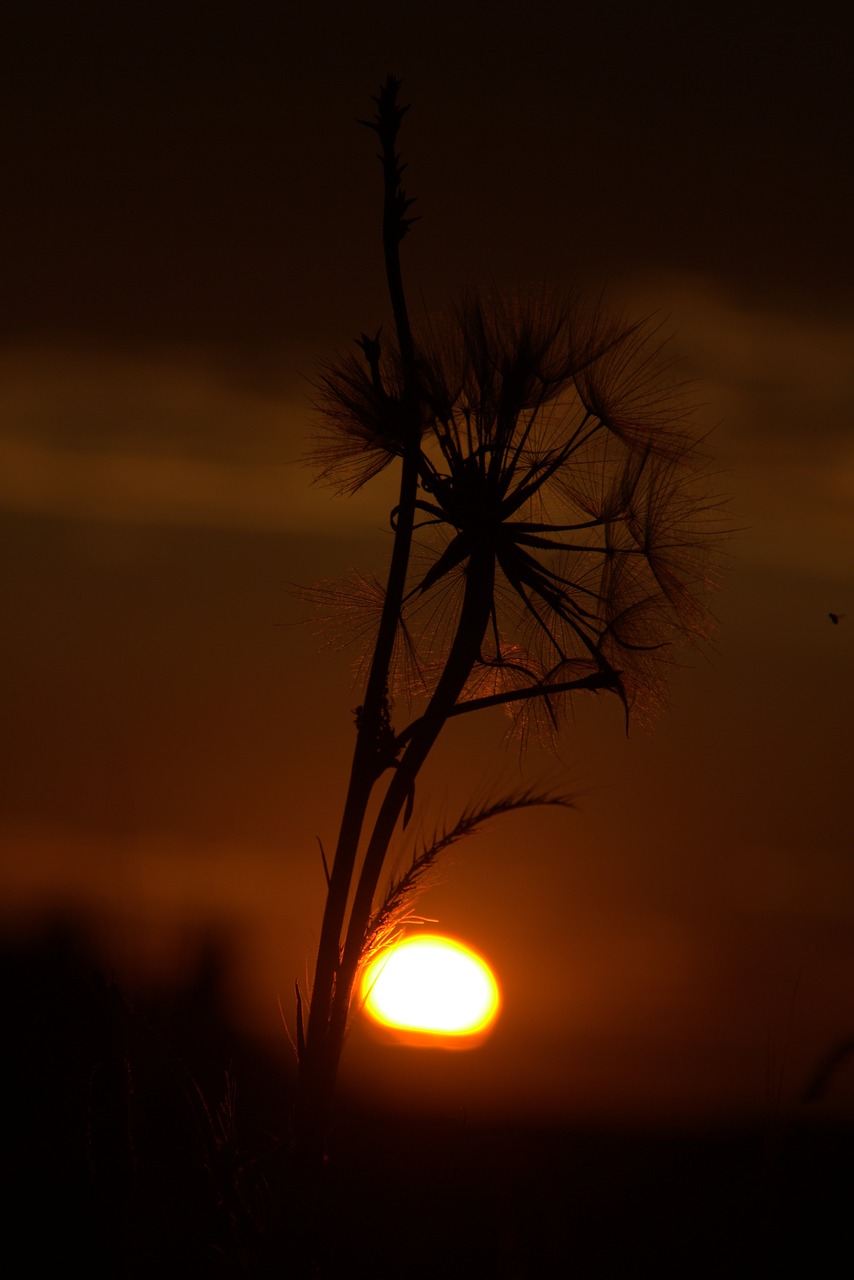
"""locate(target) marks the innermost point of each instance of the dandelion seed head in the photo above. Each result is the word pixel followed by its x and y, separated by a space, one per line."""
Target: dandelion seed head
pixel 553 439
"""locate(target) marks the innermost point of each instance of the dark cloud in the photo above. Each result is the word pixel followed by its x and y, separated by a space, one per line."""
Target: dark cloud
pixel 197 174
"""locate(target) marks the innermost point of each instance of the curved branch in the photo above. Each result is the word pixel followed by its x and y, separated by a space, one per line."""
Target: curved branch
pixel 598 680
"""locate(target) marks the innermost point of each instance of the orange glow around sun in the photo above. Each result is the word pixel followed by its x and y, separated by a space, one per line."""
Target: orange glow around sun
pixel 431 990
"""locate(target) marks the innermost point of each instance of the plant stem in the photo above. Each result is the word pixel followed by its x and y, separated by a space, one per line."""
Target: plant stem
pixel 464 652
pixel 319 1059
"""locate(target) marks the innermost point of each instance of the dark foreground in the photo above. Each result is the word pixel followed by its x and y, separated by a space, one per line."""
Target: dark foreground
pixel 152 1143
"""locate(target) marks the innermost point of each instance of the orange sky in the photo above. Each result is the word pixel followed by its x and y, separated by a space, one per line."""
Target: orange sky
pixel 190 220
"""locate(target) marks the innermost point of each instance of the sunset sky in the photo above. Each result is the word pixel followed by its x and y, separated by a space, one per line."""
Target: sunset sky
pixel 191 218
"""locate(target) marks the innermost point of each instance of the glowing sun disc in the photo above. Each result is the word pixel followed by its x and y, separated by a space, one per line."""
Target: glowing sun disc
pixel 431 985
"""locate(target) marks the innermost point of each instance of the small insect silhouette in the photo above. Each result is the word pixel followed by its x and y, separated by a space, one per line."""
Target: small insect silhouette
pixel 835 618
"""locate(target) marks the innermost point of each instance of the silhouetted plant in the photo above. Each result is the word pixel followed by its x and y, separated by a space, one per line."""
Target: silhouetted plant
pixel 552 537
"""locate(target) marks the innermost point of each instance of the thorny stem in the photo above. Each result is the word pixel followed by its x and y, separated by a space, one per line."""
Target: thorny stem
pixel 319 1061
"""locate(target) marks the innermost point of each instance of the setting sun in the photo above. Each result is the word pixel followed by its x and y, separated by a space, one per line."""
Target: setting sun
pixel 429 986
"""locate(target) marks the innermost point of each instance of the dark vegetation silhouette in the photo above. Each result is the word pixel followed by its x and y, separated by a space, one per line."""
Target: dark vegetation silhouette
pixel 144 1137
pixel 552 539
pixel 553 536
